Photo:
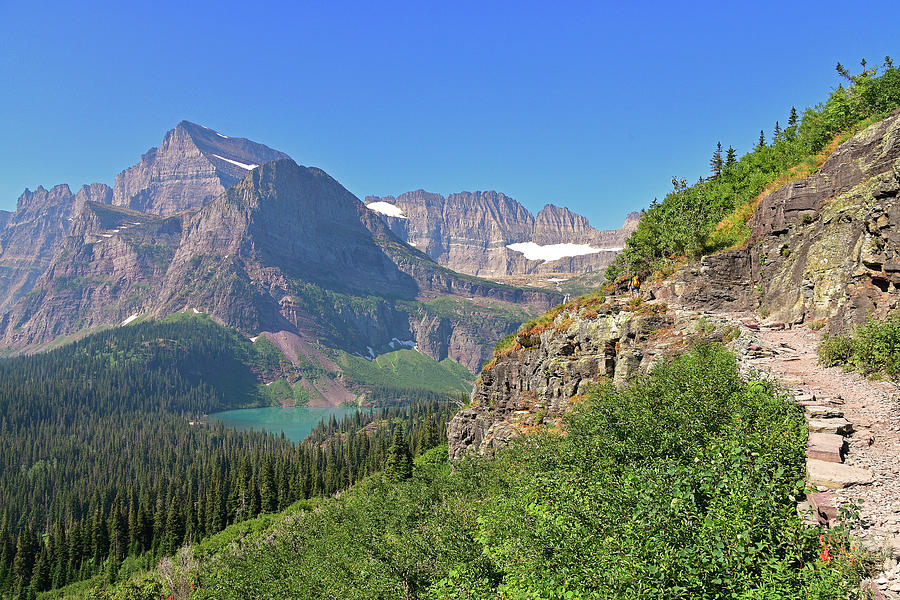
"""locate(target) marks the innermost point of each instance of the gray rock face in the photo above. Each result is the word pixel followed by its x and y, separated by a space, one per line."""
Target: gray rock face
pixel 107 269
pixel 717 282
pixel 823 248
pixel 535 384
pixel 470 232
pixel 193 165
pixel 32 235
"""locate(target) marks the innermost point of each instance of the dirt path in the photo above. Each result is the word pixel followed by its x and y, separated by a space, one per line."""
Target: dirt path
pixel 872 407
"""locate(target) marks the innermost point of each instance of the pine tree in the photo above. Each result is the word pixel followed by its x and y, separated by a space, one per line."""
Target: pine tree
pixel 843 72
pixel 398 462
pixel 762 140
pixel 174 532
pixel 776 137
pixel 730 158
pixel 23 563
pixel 111 570
pixel 792 119
pixel 99 537
pixel 268 493
pixel 715 163
pixel 40 575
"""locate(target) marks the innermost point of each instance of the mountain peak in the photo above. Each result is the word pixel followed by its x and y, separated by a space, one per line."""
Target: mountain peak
pixel 193 165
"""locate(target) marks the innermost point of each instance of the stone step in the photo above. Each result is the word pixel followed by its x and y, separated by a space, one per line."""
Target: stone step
pixel 826 446
pixel 835 475
pixel 823 506
pixel 798 398
pixel 838 425
pixel 823 412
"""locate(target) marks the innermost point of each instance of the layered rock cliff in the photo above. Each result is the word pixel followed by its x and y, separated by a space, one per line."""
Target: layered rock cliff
pixel 534 382
pixel 31 236
pixel 471 233
pixel 824 248
pixel 193 165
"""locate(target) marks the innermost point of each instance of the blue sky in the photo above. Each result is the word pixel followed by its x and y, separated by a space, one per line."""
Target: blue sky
pixel 590 105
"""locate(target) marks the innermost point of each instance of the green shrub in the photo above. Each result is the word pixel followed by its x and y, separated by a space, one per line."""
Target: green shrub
pixel 876 347
pixel 872 349
pixel 835 351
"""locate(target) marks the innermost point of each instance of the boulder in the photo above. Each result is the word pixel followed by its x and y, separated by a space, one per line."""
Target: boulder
pixel 823 506
pixel 823 412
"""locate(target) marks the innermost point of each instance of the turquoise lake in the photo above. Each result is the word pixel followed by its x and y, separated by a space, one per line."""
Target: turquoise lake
pixel 294 421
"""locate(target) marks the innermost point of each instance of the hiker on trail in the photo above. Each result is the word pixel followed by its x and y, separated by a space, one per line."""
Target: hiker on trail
pixel 635 286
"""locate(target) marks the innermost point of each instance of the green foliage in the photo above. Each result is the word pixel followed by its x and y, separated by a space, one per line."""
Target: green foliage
pixel 454 307
pixel 282 392
pixel 687 221
pixel 872 349
pixel 836 350
pixel 398 464
pixel 407 370
pixel 682 485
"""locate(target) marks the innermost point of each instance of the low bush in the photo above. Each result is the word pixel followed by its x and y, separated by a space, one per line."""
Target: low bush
pixel 835 351
pixel 872 349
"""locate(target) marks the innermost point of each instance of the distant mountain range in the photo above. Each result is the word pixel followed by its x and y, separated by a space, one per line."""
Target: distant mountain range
pixel 236 230
pixel 489 234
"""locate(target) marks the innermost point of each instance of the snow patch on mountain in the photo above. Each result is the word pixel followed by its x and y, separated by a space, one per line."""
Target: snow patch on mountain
pixel 234 162
pixel 551 252
pixel 405 343
pixel 386 208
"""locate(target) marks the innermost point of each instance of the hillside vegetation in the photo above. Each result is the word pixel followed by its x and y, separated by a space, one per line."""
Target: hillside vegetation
pixel 681 485
pixel 872 349
pixel 712 214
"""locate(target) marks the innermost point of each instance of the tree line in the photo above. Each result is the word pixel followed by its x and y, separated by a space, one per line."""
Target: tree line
pixel 103 460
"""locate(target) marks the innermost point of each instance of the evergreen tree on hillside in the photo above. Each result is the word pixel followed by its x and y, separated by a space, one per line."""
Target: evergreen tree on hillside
pixel 715 163
pixel 730 158
pixel 398 462
pixel 762 140
pixel 792 119
pixel 843 72
pixel 776 136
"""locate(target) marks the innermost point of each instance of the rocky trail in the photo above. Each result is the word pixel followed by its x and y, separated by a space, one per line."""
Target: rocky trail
pixel 854 447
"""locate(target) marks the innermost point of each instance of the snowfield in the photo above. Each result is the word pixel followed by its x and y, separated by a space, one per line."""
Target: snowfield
pixel 234 162
pixel 553 252
pixel 386 208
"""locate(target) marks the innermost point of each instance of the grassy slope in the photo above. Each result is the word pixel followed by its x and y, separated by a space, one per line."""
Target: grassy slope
pixel 406 369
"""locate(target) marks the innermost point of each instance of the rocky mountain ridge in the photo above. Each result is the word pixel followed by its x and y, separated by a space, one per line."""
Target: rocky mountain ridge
pixel 533 382
pixel 193 165
pixel 285 249
pixel 489 234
